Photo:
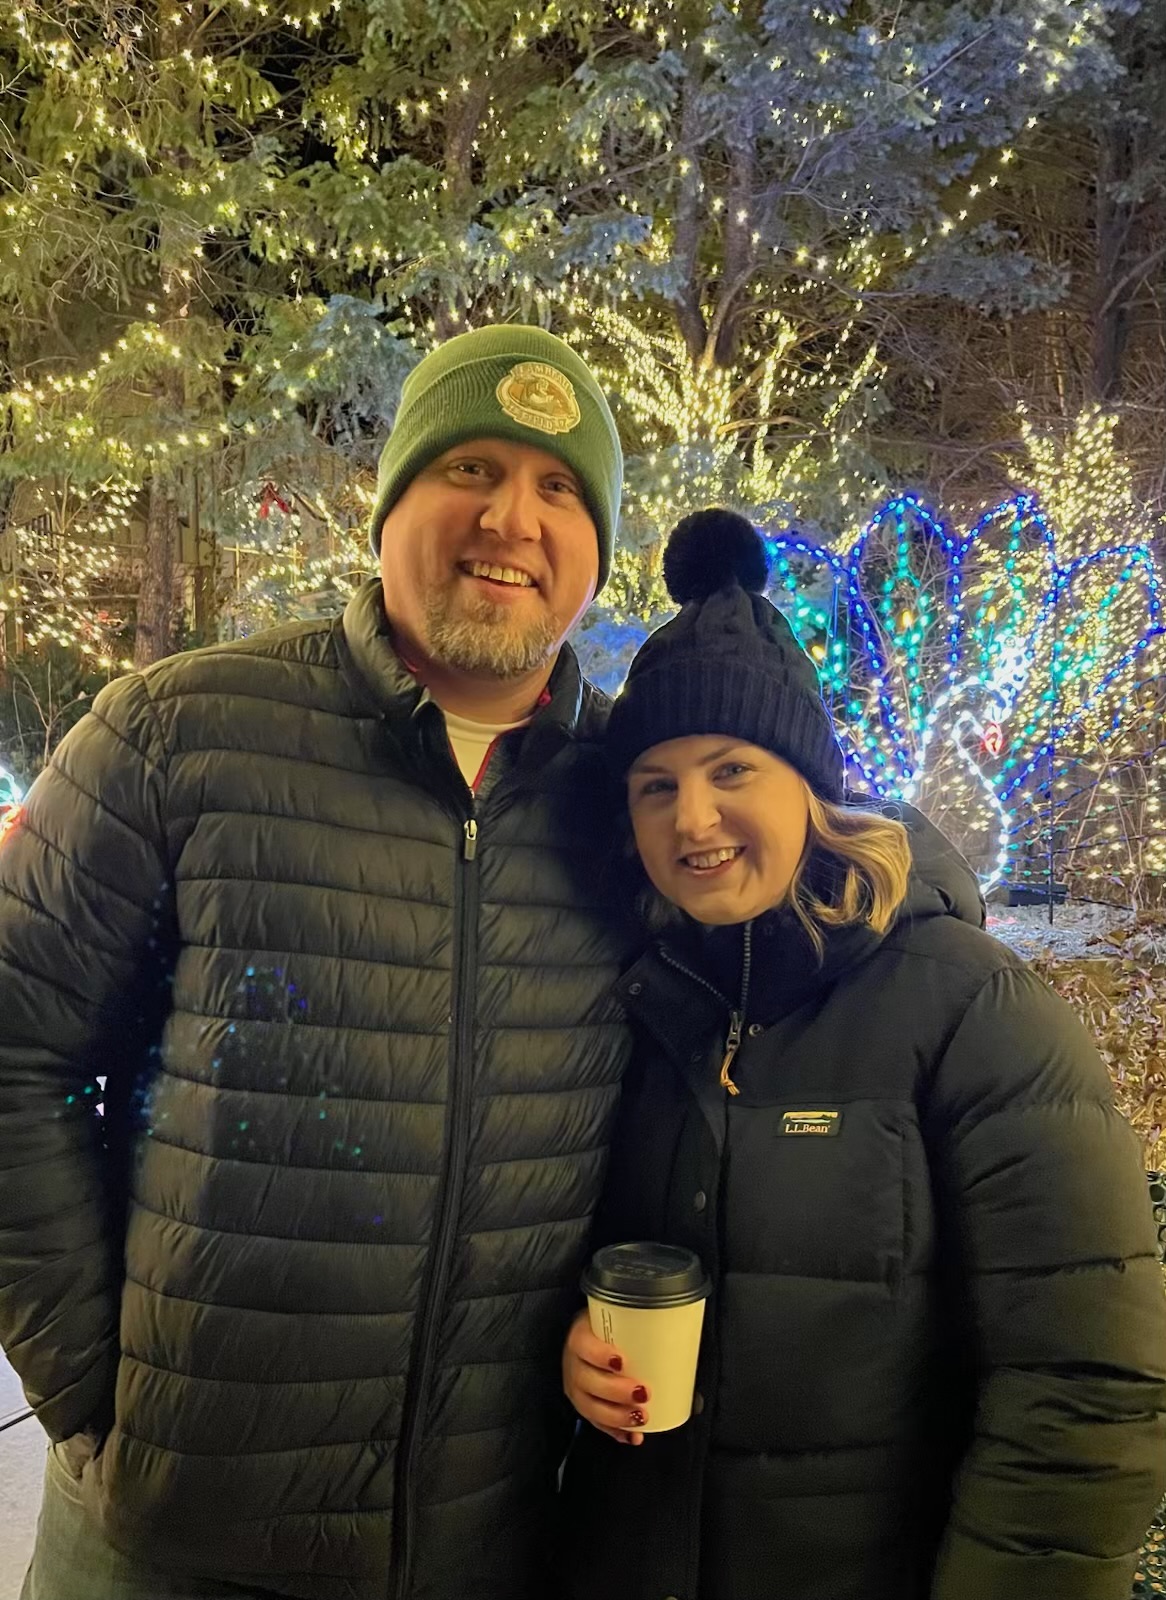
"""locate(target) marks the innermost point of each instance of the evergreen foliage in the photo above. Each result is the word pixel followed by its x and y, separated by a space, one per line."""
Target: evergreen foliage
pixel 227 230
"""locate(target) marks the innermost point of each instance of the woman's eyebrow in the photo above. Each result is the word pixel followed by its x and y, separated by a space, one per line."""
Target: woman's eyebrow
pixel 705 761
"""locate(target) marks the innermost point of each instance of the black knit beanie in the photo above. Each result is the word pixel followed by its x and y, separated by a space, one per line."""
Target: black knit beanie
pixel 728 663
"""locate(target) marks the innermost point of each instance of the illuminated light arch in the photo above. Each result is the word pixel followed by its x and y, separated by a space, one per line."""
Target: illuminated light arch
pixel 956 666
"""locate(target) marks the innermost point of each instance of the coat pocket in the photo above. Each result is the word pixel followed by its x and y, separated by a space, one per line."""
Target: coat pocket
pixel 68 1460
pixel 818 1190
pixel 62 1470
pixel 73 1455
pixel 821 1323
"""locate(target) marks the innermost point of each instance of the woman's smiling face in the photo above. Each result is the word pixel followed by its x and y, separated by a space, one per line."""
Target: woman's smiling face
pixel 720 825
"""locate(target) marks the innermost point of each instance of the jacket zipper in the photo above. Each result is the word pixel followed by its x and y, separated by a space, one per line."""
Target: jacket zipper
pixel 452 1179
pixel 736 1018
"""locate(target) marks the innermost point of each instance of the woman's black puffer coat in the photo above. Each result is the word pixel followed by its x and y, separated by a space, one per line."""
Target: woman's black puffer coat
pixel 934 1365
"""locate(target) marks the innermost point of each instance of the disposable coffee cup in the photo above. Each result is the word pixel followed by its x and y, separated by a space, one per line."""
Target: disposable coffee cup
pixel 648 1300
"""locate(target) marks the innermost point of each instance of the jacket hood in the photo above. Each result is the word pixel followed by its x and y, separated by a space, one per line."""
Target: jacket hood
pixel 942 882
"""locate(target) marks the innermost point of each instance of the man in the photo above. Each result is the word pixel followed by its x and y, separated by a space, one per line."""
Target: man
pixel 321 909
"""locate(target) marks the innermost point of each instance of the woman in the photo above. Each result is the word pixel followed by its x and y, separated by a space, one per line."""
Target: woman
pixel 933 1363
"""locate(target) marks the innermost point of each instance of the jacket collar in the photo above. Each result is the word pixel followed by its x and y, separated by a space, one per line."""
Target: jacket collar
pixel 385 685
pixel 691 1007
pixel 668 1003
pixel 372 666
pixel 685 986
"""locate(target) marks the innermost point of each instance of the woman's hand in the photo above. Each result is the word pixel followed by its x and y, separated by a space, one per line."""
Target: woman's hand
pixel 596 1385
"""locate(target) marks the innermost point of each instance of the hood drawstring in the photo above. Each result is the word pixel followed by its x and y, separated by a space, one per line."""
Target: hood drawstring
pixel 737 1018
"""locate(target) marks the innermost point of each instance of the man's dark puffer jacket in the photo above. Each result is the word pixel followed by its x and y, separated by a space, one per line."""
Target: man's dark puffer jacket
pixel 935 1356
pixel 363 1160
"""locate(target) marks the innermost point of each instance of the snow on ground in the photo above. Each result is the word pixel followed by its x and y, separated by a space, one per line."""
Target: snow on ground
pixel 22 1465
pixel 1026 929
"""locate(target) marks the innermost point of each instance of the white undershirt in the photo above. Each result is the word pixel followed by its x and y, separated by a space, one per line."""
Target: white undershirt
pixel 471 742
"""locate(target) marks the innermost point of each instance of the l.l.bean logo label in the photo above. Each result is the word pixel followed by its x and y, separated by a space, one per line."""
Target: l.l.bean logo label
pixel 539 396
pixel 811 1124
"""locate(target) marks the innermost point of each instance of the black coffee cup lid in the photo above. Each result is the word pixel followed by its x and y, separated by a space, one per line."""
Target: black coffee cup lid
pixel 648 1276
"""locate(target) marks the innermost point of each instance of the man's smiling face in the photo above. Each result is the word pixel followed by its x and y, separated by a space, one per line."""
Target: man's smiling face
pixel 489 559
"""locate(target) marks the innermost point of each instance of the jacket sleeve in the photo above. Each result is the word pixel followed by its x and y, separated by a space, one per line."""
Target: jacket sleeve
pixel 83 891
pixel 1049 1227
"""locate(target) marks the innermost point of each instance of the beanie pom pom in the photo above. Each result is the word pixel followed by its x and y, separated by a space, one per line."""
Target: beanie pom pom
pixel 711 549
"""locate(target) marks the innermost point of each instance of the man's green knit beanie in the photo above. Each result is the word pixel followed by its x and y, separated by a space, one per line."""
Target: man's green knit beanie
pixel 514 383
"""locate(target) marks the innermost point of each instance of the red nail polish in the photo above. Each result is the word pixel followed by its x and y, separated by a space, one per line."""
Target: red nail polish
pixel 639 1395
pixel 636 1418
pixel 616 1363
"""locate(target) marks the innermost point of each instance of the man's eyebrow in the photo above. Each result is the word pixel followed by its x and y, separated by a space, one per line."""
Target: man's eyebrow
pixel 484 453
pixel 705 761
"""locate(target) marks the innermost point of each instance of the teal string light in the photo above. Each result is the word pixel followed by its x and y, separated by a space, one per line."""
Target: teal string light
pixel 902 599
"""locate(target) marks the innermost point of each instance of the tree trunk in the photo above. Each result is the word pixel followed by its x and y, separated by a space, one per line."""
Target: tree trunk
pixel 1130 247
pixel 463 122
pixel 7 571
pixel 156 633
pixel 739 247
pixel 1115 226
pixel 690 217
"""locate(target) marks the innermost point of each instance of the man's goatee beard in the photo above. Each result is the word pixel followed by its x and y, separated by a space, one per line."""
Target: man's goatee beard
pixel 487 644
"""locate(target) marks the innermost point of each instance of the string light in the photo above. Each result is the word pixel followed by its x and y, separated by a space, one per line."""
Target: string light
pixel 922 661
pixel 72 570
pixel 11 795
pixel 958 667
pixel 705 434
pixel 281 581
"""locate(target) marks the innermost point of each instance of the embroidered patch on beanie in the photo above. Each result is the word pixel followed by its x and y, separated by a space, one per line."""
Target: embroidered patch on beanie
pixel 539 396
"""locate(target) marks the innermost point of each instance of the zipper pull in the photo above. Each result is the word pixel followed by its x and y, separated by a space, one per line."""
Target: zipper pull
pixel 470 848
pixel 732 1045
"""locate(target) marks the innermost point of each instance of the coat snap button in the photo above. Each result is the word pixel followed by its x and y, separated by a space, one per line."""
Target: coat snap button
pixel 697 1404
pixel 754 1029
pixel 635 988
pixel 700 1200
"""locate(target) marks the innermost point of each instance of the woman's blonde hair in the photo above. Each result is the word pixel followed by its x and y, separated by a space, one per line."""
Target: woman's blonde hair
pixel 854 869
pixel 871 855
